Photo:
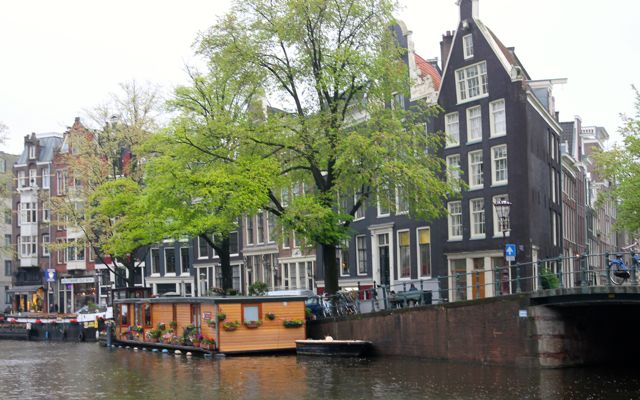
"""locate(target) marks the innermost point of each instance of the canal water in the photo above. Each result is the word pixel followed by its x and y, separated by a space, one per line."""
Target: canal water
pixel 38 370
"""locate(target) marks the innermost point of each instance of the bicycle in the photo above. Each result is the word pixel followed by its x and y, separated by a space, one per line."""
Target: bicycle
pixel 618 270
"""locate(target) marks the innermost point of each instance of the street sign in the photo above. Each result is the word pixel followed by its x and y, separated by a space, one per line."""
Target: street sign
pixel 510 252
pixel 50 275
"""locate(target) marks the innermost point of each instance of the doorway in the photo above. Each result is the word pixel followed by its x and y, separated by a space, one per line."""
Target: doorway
pixel 383 258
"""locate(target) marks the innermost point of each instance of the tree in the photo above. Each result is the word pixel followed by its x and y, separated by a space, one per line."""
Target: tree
pixel 323 62
pixel 621 166
pixel 104 172
pixel 197 181
pixel 6 177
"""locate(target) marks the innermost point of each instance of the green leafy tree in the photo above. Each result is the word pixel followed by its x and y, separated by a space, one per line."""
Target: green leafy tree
pixel 198 181
pixel 621 166
pixel 334 68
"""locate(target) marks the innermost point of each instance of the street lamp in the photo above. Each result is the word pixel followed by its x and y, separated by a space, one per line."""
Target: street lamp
pixel 502 208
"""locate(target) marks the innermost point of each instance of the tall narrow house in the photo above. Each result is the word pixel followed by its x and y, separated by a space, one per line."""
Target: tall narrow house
pixel 503 139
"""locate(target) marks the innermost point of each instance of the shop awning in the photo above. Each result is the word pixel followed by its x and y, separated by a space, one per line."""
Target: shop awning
pixel 24 289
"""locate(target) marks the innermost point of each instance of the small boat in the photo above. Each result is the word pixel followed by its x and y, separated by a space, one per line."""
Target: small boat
pixel 335 348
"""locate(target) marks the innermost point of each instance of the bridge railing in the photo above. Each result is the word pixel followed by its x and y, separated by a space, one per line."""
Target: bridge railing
pixel 476 282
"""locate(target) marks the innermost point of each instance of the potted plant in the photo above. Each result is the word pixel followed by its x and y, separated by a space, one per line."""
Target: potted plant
pixel 173 325
pixel 154 335
pixel 253 324
pixel 196 340
pixel 211 323
pixel 162 326
pixel 270 316
pixel 231 326
pixel 293 323
pixel 208 344
pixel 221 316
pixel 167 337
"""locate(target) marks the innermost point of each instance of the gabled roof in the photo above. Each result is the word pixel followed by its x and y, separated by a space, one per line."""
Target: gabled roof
pixel 426 68
pixel 48 144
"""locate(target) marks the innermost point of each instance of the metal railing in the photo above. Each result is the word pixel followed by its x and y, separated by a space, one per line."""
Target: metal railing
pixel 589 270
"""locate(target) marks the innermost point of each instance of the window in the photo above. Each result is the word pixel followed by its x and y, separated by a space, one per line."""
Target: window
pixel 424 251
pixel 452 129
pixel 474 124
pixel 360 211
pixel 499 173
pixel 32 152
pixel 46 179
pixel 554 228
pixel 455 220
pixel 147 314
pixel 73 252
pixel 155 261
pixel 285 197
pixel 234 247
pixel 467 44
pixel 250 313
pixel 383 204
pixel 453 167
pixel 553 186
pixel 33 175
pixel 124 315
pixel 45 244
pixel 45 212
pixel 8 268
pixel 7 240
pixel 7 217
pixel 477 218
pixel 260 219
pixel 402 206
pixel 202 247
pixel 184 260
pixel 285 239
pixel 504 225
pixel 404 254
pixel 169 260
pixel 28 213
pixel 297 241
pixel 61 185
pixel 28 246
pixel 22 179
pixel 249 230
pixel 497 118
pixel 476 179
pixel 271 224
pixel 342 258
pixel 471 82
pixel 361 253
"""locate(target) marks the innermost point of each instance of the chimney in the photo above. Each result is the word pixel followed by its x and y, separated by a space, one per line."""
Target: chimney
pixel 445 47
pixel 468 9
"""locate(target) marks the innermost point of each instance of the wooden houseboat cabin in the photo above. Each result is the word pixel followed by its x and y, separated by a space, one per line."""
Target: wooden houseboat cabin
pixel 236 324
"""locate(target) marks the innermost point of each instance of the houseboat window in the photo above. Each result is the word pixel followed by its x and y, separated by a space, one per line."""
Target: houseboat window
pixel 250 313
pixel 147 314
pixel 124 315
pixel 137 314
pixel 195 314
pixel 174 314
pixel 117 312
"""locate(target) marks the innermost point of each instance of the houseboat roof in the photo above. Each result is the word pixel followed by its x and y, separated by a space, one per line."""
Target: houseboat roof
pixel 210 300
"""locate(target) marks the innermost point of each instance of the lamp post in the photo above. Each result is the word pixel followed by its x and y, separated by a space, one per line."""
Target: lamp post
pixel 502 208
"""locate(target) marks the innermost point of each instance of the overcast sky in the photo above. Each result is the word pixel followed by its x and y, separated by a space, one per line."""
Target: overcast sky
pixel 58 58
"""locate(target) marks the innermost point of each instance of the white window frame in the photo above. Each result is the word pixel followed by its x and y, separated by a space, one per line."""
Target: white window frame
pixel 46 178
pixel 380 211
pixel 175 263
pixel 360 212
pixel 286 239
pixel 22 179
pixel 464 76
pixel 30 245
pixel 450 220
pixel 250 240
pixel 401 201
pixel 61 182
pixel 200 249
pixel 478 220
pixel 453 173
pixel 45 243
pixel 452 129
pixel 33 177
pixel 467 45
pixel 418 257
pixel 399 271
pixel 497 107
pixel 32 152
pixel 342 251
pixel 494 165
pixel 474 135
pixel 260 227
pixel 476 177
pixel 497 233
pixel 237 243
pixel 155 268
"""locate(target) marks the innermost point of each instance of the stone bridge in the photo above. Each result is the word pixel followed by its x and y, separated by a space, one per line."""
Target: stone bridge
pixel 549 328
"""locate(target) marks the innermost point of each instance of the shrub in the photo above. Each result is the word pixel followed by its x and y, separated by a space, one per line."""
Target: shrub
pixel 258 289
pixel 548 280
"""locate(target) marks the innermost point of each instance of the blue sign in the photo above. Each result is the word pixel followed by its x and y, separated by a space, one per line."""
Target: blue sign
pixel 510 252
pixel 50 275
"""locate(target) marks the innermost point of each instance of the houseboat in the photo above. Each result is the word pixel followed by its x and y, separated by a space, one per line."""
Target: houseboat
pixel 229 325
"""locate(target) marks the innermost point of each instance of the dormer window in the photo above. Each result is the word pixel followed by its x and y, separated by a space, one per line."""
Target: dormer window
pixel 471 82
pixel 467 42
pixel 32 152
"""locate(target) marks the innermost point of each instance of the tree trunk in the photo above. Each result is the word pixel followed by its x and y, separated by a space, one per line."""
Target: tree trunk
pixel 330 268
pixel 225 264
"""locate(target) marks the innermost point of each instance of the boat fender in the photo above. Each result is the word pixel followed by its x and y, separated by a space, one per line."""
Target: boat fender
pixel 165 350
pixel 189 354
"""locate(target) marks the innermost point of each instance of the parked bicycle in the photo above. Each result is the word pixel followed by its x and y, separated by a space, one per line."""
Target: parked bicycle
pixel 619 272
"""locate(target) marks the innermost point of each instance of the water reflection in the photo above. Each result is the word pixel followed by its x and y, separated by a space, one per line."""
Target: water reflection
pixel 78 371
